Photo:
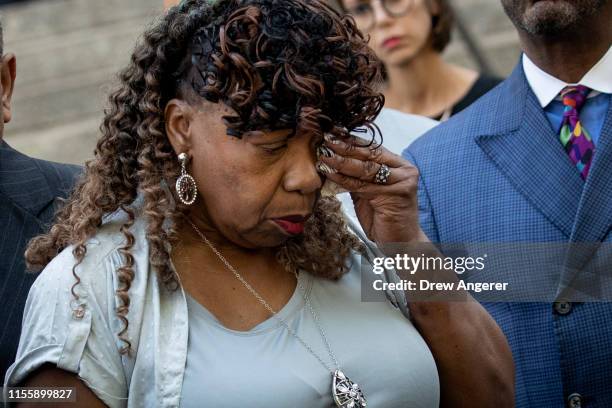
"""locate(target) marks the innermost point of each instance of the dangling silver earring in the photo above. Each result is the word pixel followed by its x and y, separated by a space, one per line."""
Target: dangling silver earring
pixel 186 187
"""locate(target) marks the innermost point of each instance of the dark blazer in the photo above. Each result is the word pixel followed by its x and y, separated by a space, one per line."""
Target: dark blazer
pixel 29 189
pixel 497 173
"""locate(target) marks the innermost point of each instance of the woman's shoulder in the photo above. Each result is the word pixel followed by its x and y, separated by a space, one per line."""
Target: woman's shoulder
pixel 103 249
pixel 70 315
pixel 69 283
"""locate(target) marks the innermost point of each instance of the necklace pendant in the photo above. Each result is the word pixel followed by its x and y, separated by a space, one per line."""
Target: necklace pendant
pixel 347 393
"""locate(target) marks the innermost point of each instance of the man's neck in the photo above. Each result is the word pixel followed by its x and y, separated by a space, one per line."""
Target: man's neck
pixel 559 60
pixel 570 57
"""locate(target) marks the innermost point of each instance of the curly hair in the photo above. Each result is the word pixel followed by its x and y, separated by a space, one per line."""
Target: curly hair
pixel 276 64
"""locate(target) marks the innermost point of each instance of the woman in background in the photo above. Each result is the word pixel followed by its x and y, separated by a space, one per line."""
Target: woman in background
pixel 409 37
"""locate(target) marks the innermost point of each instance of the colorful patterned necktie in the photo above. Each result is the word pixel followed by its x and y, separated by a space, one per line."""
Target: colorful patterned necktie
pixel 576 140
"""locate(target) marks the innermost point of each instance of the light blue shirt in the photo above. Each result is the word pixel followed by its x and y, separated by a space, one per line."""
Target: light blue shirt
pixel 266 367
pixel 547 88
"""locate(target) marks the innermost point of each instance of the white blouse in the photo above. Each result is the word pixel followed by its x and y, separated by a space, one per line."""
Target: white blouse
pixel 87 344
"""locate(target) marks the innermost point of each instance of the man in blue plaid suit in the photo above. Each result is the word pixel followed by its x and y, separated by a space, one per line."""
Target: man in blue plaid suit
pixel 499 172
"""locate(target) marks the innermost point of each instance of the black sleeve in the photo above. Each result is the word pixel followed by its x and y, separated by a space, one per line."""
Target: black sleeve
pixel 483 84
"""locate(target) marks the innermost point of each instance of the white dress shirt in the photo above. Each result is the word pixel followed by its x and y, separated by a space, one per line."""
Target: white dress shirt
pixel 546 87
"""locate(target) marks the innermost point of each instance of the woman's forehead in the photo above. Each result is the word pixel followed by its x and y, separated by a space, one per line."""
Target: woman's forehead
pixel 283 134
pixel 353 2
pixel 219 110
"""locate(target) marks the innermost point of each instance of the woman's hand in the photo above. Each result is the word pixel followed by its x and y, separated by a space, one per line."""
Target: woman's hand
pixel 387 212
pixel 472 354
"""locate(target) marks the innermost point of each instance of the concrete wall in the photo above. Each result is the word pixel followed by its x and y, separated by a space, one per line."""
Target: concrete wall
pixel 68 52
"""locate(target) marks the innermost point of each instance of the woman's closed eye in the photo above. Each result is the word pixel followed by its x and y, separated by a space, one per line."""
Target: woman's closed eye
pixel 274 148
pixel 271 142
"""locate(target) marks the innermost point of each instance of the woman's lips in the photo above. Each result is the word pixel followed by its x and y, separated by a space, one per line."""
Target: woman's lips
pixel 391 42
pixel 292 225
pixel 291 228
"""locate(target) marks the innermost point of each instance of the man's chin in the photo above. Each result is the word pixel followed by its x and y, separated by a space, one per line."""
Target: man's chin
pixel 550 17
pixel 558 17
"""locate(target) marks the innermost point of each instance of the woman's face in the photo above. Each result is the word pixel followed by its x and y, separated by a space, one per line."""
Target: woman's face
pixel 396 40
pixel 256 191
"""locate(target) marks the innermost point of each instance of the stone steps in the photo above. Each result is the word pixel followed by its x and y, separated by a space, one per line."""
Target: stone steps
pixel 67 53
pixel 493 32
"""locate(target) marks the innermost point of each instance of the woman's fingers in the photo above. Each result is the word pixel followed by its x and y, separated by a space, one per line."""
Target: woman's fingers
pixel 404 184
pixel 360 169
pixel 357 161
pixel 360 149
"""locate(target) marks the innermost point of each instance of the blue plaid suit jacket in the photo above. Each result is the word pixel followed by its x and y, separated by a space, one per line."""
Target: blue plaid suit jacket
pixel 28 191
pixel 498 173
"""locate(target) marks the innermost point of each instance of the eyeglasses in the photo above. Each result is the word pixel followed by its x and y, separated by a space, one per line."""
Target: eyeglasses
pixel 364 15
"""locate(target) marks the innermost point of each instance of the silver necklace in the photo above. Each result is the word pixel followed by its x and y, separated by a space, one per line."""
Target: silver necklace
pixel 345 393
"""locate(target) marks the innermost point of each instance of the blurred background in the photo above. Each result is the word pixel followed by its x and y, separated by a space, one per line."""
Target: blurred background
pixel 69 51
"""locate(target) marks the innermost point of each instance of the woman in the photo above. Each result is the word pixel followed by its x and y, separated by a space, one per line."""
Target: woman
pixel 409 36
pixel 200 266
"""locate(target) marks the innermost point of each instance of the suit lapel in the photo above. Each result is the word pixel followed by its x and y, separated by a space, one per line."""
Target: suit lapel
pixel 594 216
pixel 528 153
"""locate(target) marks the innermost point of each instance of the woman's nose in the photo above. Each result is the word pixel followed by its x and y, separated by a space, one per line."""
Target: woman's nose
pixel 301 174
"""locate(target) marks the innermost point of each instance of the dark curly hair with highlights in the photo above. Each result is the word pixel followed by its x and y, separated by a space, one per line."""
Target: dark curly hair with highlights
pixel 276 64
